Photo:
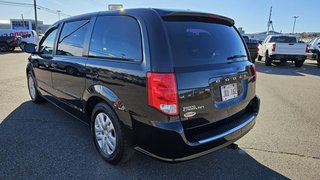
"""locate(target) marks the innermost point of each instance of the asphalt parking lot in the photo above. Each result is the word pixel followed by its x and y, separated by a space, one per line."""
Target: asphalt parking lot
pixel 41 141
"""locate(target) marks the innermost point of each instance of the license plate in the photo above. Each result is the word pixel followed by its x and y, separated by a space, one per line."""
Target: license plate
pixel 229 91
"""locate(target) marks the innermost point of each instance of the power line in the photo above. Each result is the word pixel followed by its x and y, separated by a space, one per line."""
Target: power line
pixel 31 5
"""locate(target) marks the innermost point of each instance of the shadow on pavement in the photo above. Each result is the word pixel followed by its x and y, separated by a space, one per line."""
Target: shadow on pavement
pixel 288 68
pixel 41 141
pixel 17 51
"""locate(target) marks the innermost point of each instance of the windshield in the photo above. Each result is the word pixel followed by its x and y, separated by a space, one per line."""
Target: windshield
pixel 283 39
pixel 201 43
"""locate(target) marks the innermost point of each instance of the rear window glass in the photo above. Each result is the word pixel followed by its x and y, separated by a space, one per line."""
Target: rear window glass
pixel 200 43
pixel 283 39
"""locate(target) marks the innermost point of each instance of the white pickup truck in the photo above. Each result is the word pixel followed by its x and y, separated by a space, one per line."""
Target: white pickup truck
pixel 283 48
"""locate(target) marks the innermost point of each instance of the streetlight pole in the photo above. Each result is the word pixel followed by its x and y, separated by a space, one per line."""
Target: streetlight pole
pixel 294 24
pixel 35 15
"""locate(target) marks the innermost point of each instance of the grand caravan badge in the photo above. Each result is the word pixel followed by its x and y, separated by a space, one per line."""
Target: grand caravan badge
pixel 189 114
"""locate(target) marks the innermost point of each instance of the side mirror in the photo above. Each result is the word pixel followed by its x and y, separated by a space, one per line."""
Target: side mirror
pixel 30 48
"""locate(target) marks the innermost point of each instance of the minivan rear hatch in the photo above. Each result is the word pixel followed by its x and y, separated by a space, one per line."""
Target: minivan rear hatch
pixel 215 79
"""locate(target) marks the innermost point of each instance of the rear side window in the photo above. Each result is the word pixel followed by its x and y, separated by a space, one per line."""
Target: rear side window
pixel 283 39
pixel 202 43
pixel 71 40
pixel 117 38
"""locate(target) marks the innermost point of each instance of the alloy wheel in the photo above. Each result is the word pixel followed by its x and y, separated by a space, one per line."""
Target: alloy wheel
pixel 105 133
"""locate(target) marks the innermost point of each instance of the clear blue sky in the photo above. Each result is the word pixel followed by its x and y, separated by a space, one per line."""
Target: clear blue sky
pixel 252 15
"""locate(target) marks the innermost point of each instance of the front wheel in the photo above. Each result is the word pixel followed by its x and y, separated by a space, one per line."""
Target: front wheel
pixel 259 58
pixel 318 60
pixel 108 135
pixel 22 46
pixel 298 63
pixel 4 47
pixel 33 92
pixel 268 60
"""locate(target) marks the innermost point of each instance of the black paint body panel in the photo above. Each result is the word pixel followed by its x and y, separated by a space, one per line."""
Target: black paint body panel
pixel 72 82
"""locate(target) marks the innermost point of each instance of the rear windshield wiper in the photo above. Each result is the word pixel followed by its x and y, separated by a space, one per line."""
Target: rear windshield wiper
pixel 236 57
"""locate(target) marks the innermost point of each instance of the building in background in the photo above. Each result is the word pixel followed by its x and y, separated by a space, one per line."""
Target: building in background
pixel 26 24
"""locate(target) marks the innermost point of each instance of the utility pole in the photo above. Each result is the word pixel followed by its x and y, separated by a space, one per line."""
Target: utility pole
pixel 24 25
pixel 59 13
pixel 35 16
pixel 294 24
pixel 270 21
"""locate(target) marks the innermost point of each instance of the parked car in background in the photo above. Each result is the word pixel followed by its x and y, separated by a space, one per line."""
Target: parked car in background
pixel 252 45
pixel 174 85
pixel 314 49
pixel 283 48
pixel 27 36
pixel 8 43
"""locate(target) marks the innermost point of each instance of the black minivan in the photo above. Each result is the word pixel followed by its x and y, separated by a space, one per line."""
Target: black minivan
pixel 174 85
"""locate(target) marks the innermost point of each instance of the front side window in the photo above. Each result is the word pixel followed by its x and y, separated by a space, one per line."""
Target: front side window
pixel 117 38
pixel 46 47
pixel 71 40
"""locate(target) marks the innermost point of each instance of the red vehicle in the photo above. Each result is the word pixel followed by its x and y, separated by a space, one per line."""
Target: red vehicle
pixel 8 43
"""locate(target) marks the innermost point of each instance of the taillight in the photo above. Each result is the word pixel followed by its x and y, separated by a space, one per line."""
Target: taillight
pixel 254 71
pixel 14 39
pixel 307 49
pixel 257 49
pixel 273 47
pixel 162 92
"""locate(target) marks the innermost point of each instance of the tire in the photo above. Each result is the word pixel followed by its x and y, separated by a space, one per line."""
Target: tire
pixel 259 58
pixel 268 61
pixel 33 92
pixel 253 60
pixel 283 61
pixel 109 135
pixel 12 49
pixel 4 47
pixel 22 45
pixel 298 64
pixel 318 60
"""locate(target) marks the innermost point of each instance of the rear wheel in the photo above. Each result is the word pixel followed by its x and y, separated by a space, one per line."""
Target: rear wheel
pixel 22 46
pixel 268 60
pixel 4 47
pixel 259 58
pixel 33 92
pixel 109 136
pixel 298 63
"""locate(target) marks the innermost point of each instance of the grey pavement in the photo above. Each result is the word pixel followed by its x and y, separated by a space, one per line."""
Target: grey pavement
pixel 41 141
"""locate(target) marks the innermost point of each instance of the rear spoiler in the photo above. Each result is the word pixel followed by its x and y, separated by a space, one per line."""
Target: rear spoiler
pixel 202 17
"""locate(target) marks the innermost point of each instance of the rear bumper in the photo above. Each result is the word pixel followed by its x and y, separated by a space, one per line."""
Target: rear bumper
pixel 169 141
pixel 288 57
